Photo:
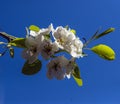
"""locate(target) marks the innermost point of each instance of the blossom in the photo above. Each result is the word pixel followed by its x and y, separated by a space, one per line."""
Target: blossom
pixel 67 40
pixel 70 66
pixel 56 68
pixel 35 38
pixel 76 48
pixel 45 31
pixel 48 48
pixel 62 36
pixel 31 54
pixel 60 68
pixel 33 43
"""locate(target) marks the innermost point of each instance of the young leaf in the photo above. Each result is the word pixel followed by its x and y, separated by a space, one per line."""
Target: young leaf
pixel 104 51
pixel 73 31
pixel 34 28
pixel 105 32
pixel 11 51
pixel 31 69
pixel 76 76
pixel 18 42
pixel 96 35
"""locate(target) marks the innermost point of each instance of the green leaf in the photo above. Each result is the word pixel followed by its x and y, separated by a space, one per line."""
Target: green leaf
pixel 18 42
pixel 104 51
pixel 73 31
pixel 105 32
pixel 11 51
pixel 34 28
pixel 96 35
pixel 31 69
pixel 76 76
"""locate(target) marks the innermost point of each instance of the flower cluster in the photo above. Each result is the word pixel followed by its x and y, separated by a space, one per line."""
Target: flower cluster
pixel 39 43
pixel 49 42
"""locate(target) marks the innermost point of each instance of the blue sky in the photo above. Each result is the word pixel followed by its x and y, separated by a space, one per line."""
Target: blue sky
pixel 101 78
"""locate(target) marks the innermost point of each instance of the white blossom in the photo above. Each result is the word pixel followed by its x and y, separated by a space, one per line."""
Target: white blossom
pixel 35 38
pixel 70 67
pixel 33 46
pixel 67 40
pixel 48 48
pixel 45 31
pixel 33 43
pixel 60 68
pixel 63 37
pixel 76 48
pixel 56 68
pixel 31 54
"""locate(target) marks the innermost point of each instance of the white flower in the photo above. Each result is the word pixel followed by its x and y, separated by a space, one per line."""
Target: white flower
pixel 70 67
pixel 35 38
pixel 76 48
pixel 33 46
pixel 67 40
pixel 63 36
pixel 31 54
pixel 45 31
pixel 48 48
pixel 60 68
pixel 33 43
pixel 56 68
